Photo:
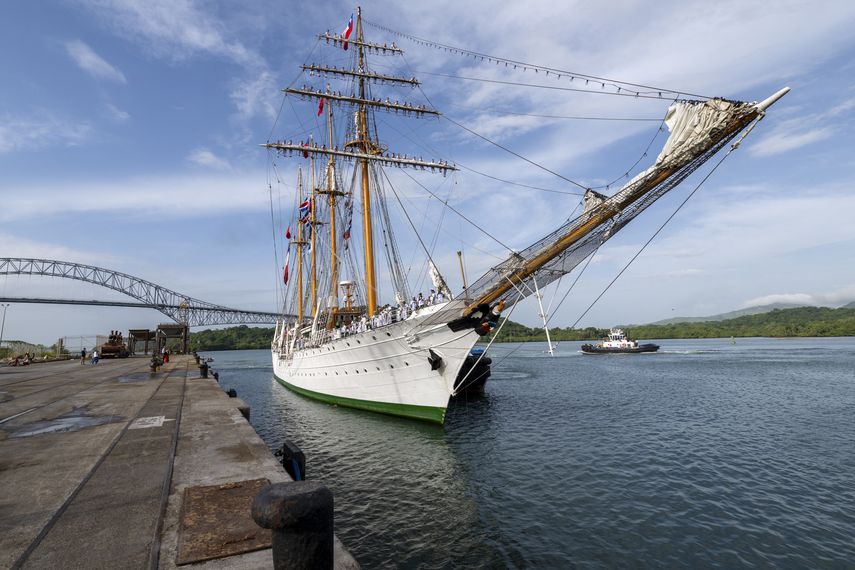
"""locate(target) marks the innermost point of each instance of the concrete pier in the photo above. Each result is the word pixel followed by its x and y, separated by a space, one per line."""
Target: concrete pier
pixel 111 466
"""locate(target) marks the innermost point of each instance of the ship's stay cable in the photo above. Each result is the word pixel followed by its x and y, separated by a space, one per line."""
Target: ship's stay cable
pixel 633 94
pixel 489 344
pixel 497 179
pixel 578 276
pixel 407 215
pixel 273 229
pixel 284 97
pixel 561 117
pixel 504 148
pixel 656 233
pixel 424 215
pixel 456 211
pixel 478 172
pixel 643 154
pixel 419 87
pixel 559 73
pixel 676 96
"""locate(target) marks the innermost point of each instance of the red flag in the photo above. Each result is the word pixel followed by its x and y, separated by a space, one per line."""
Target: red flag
pixel 347 31
pixel 321 107
pixel 288 233
pixel 286 273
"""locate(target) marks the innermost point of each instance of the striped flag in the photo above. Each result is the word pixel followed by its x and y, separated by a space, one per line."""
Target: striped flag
pixel 347 31
pixel 305 209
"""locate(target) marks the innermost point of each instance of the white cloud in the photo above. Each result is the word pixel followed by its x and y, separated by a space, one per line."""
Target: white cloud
pixel 181 29
pixel 118 115
pixel 779 142
pixel 206 158
pixel 92 63
pixel 802 129
pixel 256 97
pixel 23 247
pixel 176 29
pixel 40 130
pixel 831 298
pixel 728 233
pixel 167 196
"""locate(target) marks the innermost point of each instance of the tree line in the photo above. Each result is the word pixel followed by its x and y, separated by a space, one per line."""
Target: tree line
pixel 801 321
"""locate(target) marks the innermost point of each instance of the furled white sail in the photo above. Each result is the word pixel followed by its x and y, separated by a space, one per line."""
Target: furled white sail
pixel 438 281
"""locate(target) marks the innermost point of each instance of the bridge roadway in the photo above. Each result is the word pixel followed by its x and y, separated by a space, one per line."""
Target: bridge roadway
pixel 181 308
pixel 97 462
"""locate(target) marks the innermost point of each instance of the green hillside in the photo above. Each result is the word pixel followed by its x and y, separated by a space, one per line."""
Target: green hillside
pixel 232 338
pixel 801 321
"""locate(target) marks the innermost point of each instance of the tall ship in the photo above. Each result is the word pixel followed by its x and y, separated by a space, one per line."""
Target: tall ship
pixel 358 336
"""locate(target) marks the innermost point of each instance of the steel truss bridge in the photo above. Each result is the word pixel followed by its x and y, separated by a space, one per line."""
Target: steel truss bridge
pixel 182 309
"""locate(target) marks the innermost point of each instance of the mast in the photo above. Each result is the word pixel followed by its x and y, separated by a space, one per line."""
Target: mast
pixel 331 193
pixel 362 150
pixel 299 244
pixel 312 230
pixel 367 229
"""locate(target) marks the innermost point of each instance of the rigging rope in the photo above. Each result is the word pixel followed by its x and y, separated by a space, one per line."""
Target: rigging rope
pixel 574 118
pixel 489 344
pixel 485 175
pixel 453 209
pixel 273 229
pixel 643 155
pixel 656 233
pixel 547 70
pixel 633 94
pixel 447 118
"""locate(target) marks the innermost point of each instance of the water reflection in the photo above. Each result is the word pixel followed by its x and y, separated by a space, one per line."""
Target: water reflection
pixel 705 454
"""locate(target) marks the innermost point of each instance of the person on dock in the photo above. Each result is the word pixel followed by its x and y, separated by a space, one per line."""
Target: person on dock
pixel 94 356
pixel 165 355
pixel 82 356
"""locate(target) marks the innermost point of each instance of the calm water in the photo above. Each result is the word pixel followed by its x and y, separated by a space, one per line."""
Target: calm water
pixel 707 454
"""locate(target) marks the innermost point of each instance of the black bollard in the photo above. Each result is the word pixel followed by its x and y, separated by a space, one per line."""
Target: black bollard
pixel 293 460
pixel 203 369
pixel 300 516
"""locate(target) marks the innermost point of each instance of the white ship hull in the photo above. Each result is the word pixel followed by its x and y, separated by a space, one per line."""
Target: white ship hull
pixel 385 369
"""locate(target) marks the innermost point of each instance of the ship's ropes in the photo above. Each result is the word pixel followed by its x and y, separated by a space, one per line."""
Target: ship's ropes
pixel 615 86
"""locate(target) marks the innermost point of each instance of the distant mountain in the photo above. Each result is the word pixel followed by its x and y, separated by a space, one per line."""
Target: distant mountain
pixel 735 314
pixel 849 305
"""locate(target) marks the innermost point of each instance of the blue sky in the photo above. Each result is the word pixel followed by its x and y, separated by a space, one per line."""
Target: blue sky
pixel 129 137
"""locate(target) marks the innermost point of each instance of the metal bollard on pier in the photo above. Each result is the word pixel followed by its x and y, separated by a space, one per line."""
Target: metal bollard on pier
pixel 300 516
pixel 203 370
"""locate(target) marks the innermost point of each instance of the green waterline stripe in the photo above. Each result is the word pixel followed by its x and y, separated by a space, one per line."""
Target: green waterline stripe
pixel 424 413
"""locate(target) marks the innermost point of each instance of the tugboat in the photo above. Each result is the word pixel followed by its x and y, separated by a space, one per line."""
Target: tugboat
pixel 617 343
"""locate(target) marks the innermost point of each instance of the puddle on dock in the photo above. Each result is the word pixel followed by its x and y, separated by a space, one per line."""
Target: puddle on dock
pixel 75 420
pixel 140 377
